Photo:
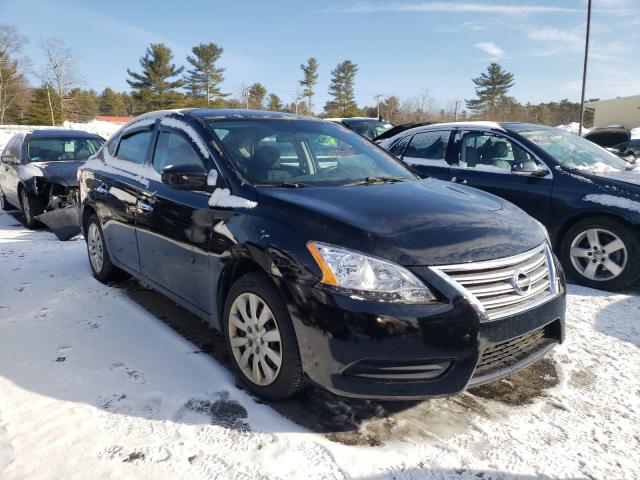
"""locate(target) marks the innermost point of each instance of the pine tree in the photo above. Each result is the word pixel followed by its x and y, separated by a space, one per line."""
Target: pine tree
pixel 257 93
pixel 154 88
pixel 490 88
pixel 309 79
pixel 203 80
pixel 341 89
pixel 111 103
pixel 274 103
pixel 39 109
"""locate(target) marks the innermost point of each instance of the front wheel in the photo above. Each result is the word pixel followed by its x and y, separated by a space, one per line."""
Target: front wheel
pixel 602 253
pixel 261 340
pixel 99 259
pixel 32 206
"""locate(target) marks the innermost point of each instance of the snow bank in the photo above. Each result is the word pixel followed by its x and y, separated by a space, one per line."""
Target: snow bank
pixel 104 129
pixel 5 136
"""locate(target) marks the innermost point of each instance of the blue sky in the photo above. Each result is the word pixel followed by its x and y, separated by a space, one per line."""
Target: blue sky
pixel 400 47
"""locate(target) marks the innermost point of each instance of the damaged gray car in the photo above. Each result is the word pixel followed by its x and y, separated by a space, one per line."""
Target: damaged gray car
pixel 38 176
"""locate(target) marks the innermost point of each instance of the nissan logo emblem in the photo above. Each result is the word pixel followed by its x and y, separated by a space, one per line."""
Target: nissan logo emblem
pixel 521 282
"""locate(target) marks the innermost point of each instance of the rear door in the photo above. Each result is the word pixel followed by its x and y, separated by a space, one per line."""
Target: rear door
pixel 174 226
pixel 426 152
pixel 117 189
pixel 485 159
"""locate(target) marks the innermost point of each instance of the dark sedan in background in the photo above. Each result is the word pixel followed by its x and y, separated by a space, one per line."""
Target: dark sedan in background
pixel 367 127
pixel 320 256
pixel 38 170
pixel 587 197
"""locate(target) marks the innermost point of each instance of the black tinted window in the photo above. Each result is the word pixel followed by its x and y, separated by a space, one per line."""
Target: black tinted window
pixel 133 148
pixel 173 149
pixel 428 148
pixel 53 149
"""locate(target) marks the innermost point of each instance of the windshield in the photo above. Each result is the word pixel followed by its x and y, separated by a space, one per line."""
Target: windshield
pixel 305 152
pixel 574 152
pixel 370 129
pixel 53 149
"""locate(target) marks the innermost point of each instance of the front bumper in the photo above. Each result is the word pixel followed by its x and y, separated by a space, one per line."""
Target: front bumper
pixel 365 349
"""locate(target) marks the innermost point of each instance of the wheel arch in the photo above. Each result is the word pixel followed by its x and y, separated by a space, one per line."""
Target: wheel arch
pixel 231 272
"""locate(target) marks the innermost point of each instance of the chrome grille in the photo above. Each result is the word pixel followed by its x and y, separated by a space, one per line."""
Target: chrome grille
pixel 505 286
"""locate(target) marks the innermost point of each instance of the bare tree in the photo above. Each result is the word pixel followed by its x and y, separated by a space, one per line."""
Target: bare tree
pixel 13 84
pixel 61 73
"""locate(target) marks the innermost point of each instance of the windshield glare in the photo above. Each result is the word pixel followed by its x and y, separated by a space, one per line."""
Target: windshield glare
pixel 572 151
pixel 277 151
pixel 54 149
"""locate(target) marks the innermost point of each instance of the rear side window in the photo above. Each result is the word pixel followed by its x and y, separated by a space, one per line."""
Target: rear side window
pixel 173 149
pixel 133 147
pixel 490 153
pixel 428 148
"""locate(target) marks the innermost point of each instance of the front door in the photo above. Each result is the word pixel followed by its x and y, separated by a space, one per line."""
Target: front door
pixel 9 165
pixel 484 160
pixel 174 226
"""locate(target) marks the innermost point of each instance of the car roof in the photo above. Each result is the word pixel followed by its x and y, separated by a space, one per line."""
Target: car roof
pixel 61 133
pixel 356 119
pixel 238 114
pixel 500 126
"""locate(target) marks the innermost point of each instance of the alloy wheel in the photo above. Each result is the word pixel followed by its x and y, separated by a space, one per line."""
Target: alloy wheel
pixel 255 339
pixel 598 254
pixel 94 246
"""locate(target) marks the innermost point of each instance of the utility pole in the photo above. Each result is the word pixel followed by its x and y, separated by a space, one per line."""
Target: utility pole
pixel 584 70
pixel 297 99
pixel 378 97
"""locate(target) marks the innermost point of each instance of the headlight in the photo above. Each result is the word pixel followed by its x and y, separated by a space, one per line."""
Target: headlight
pixel 367 277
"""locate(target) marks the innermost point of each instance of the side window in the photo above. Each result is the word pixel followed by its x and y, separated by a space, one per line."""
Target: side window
pixel 173 149
pixel 428 148
pixel 399 146
pixel 133 147
pixel 491 153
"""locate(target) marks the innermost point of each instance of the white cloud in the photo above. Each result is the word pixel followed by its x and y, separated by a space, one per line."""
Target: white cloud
pixel 491 48
pixel 454 7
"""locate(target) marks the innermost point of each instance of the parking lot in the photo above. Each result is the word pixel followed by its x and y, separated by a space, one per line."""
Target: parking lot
pixel 118 382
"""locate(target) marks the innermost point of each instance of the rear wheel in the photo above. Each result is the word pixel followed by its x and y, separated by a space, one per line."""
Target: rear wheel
pixel 602 253
pixel 32 206
pixel 99 259
pixel 261 340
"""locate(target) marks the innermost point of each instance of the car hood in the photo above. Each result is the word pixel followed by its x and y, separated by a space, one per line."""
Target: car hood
pixel 605 174
pixel 61 171
pixel 426 222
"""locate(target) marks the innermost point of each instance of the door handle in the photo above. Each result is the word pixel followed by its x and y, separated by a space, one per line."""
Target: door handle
pixel 144 206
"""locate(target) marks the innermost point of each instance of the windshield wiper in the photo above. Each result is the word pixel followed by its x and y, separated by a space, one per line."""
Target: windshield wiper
pixel 293 185
pixel 377 180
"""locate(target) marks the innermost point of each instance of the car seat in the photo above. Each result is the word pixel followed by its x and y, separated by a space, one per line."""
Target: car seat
pixel 265 165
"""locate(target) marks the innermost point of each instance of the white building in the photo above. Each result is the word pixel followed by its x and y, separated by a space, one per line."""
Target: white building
pixel 623 111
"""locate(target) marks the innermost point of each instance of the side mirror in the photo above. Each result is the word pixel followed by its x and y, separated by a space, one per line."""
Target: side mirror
pixel 185 177
pixel 529 168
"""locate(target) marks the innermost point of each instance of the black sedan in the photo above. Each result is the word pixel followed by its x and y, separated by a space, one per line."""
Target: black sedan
pixel 587 197
pixel 320 256
pixel 367 127
pixel 38 170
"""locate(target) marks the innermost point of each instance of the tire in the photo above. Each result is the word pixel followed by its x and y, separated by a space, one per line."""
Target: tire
pixel 273 381
pixel 99 259
pixel 587 260
pixel 31 206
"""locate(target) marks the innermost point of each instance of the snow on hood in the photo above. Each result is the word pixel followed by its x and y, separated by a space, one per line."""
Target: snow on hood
pixel 222 198
pixel 574 127
pixel 607 171
pixel 635 133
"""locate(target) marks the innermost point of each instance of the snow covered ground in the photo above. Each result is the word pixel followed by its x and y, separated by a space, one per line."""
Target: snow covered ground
pixel 94 385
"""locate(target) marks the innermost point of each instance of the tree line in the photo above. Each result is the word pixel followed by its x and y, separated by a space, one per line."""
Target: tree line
pixel 157 82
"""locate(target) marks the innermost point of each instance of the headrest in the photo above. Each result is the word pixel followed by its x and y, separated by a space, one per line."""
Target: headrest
pixel 500 149
pixel 266 156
